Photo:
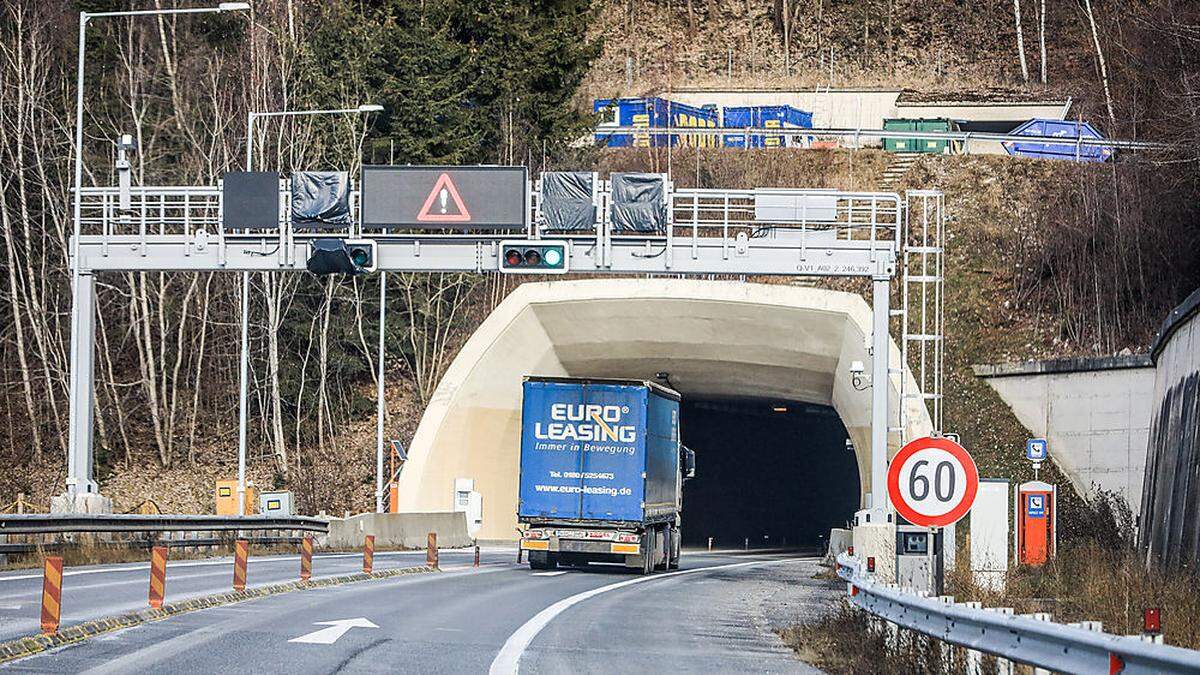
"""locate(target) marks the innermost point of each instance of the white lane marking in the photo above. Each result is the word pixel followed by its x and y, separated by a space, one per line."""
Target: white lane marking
pixel 509 658
pixel 336 629
pixel 548 574
pixel 137 567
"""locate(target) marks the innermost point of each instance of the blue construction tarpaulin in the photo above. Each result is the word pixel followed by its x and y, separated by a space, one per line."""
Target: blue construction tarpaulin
pixel 764 116
pixel 653 113
pixel 1065 129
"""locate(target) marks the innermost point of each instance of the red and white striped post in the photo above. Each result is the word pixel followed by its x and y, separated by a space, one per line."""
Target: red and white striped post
pixel 431 551
pixel 368 553
pixel 158 576
pixel 241 551
pixel 51 594
pixel 306 549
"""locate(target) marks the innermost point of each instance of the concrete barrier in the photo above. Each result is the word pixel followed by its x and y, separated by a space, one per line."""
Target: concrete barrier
pixel 840 539
pixel 405 530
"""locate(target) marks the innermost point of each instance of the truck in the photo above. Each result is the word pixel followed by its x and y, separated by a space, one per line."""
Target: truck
pixel 601 473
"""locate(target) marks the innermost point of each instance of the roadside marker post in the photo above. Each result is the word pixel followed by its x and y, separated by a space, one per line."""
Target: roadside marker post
pixel 368 553
pixel 476 555
pixel 306 551
pixel 431 551
pixel 241 550
pixel 158 576
pixel 51 594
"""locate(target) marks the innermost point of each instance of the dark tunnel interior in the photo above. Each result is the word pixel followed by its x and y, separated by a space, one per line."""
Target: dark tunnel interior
pixel 776 473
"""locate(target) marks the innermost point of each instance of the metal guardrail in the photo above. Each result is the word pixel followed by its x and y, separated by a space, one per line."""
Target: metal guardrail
pixel 205 542
pixel 1021 639
pixel 54 523
pixel 602 132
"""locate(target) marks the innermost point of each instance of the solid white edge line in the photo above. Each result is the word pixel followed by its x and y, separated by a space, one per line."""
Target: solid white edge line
pixel 509 658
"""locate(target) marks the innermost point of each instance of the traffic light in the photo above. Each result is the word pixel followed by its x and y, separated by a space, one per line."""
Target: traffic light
pixel 533 257
pixel 341 256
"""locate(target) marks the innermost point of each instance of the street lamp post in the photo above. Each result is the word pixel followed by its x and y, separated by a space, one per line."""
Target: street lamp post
pixel 77 437
pixel 244 372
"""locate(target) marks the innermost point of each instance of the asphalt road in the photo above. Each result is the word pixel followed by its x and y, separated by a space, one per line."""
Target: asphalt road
pixel 716 614
pixel 98 591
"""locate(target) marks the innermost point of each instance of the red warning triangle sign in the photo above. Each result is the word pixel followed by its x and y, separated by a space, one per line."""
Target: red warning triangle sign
pixel 437 204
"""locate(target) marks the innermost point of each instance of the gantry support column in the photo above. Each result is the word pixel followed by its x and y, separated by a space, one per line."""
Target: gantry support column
pixel 82 491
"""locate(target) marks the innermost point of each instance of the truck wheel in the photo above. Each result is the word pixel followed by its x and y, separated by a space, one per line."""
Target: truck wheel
pixel 648 553
pixel 662 536
pixel 541 560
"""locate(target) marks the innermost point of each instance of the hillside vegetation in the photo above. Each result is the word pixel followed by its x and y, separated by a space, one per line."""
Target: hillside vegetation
pixel 1060 259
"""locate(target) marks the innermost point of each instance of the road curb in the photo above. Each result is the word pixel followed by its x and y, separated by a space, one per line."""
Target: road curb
pixel 28 646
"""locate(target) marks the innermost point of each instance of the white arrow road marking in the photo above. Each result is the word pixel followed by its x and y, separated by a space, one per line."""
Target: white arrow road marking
pixel 509 658
pixel 328 636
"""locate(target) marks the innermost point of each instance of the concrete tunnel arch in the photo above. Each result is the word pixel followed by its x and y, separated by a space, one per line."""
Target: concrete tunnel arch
pixel 718 339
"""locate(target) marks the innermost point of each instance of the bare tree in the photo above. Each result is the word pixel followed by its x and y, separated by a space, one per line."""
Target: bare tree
pixel 1020 41
pixel 1042 38
pixel 1101 64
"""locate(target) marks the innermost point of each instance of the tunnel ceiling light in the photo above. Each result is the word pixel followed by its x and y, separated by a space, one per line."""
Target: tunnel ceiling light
pixel 780 408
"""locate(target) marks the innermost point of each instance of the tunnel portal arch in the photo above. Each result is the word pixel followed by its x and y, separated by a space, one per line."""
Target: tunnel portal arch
pixel 717 339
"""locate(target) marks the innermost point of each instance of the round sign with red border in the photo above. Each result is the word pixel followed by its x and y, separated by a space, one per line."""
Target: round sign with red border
pixel 932 482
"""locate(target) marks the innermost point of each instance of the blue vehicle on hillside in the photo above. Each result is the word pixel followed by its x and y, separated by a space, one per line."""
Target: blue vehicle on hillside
pixel 601 473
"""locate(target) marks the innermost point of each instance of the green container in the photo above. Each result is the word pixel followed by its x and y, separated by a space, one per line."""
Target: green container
pixel 938 146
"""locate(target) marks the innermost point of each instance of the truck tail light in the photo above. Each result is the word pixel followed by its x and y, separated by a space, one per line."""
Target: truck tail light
pixel 535 534
pixel 628 537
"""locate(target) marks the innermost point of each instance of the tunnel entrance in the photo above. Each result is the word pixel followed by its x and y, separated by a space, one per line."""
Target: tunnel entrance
pixel 771 472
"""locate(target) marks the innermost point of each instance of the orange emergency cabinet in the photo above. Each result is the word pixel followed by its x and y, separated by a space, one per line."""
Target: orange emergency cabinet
pixel 226 498
pixel 1035 522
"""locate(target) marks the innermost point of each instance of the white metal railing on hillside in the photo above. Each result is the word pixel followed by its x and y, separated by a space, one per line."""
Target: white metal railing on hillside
pixel 1033 640
pixel 601 133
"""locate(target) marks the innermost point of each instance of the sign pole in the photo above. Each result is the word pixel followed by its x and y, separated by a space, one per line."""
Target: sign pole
pixel 879 395
pixel 380 406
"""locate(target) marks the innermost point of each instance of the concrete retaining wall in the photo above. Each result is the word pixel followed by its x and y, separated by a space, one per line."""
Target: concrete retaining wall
pixel 1170 531
pixel 406 530
pixel 1095 412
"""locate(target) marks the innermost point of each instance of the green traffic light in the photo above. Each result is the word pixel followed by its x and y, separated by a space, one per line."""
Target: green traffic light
pixel 360 256
pixel 553 257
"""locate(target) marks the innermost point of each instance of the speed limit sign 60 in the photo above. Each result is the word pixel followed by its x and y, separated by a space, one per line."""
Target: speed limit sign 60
pixel 932 482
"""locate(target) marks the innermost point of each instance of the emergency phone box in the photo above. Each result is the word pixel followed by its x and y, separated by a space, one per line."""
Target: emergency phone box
pixel 226 498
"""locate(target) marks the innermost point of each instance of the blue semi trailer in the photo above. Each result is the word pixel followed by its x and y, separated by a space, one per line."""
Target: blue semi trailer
pixel 602 473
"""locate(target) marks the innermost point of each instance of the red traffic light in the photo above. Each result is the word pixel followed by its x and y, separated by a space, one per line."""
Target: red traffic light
pixel 512 257
pixel 850 551
pixel 871 564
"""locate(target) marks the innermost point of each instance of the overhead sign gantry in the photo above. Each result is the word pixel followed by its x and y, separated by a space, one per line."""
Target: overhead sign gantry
pixel 629 224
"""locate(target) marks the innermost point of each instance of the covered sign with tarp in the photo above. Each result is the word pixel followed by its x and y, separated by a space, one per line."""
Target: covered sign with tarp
pixel 320 199
pixel 639 203
pixel 1066 129
pixel 567 201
